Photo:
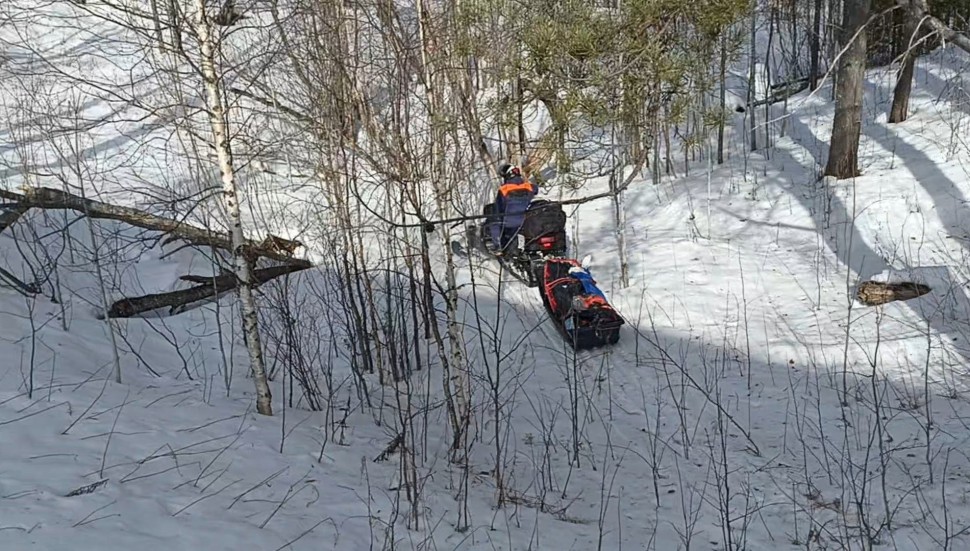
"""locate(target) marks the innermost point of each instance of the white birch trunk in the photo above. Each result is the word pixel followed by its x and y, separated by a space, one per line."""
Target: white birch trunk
pixel 105 303
pixel 619 214
pixel 230 194
pixel 458 376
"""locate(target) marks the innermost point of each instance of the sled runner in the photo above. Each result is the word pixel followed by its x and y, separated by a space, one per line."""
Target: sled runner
pixel 542 235
pixel 577 307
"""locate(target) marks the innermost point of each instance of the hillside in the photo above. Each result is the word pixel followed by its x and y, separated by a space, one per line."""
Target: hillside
pixel 751 402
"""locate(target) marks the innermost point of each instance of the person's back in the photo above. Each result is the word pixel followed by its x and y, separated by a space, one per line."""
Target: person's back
pixel 511 204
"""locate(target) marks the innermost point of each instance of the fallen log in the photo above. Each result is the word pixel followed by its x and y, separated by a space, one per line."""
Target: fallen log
pixel 11 214
pixel 390 448
pixel 8 216
pixel 874 293
pixel 50 198
pixel 26 289
pixel 213 286
pixel 781 92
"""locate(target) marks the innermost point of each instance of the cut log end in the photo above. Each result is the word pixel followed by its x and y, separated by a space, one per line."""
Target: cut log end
pixel 874 293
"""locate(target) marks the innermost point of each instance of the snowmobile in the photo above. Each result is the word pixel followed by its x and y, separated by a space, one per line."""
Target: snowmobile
pixel 585 320
pixel 542 235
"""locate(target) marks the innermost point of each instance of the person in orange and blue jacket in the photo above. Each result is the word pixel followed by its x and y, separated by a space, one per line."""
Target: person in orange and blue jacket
pixel 514 196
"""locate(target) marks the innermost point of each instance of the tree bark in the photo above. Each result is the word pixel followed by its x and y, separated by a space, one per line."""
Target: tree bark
pixel 921 10
pixel 722 73
pixel 558 115
pixel 520 122
pixel 157 24
pixel 175 26
pixel 917 14
pixel 774 20
pixel 904 84
pixel 619 221
pixel 815 45
pixel 753 127
pixel 456 380
pixel 843 161
pixel 220 134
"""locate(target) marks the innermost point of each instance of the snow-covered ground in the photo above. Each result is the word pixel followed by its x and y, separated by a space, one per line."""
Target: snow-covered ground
pixel 750 404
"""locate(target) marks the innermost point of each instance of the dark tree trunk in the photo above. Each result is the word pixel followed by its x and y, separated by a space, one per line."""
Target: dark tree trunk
pixel 753 128
pixel 175 25
pixel 774 20
pixel 815 45
pixel 843 159
pixel 519 121
pixel 915 11
pixel 920 9
pixel 904 85
pixel 720 122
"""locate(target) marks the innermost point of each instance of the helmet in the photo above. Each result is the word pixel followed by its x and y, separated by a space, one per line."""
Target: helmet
pixel 507 171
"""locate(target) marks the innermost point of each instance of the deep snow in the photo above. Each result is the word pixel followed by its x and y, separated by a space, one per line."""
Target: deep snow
pixel 742 387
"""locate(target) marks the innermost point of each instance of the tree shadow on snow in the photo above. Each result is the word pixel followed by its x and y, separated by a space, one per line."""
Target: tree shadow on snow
pixel 834 221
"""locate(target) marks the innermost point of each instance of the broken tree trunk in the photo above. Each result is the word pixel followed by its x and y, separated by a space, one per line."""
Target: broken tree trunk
pixel 781 92
pixel 7 218
pixel 874 293
pixel 210 287
pixel 920 10
pixel 11 215
pixel 50 198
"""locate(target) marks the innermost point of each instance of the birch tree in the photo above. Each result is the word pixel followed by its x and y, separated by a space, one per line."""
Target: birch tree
pixel 217 110
pixel 456 372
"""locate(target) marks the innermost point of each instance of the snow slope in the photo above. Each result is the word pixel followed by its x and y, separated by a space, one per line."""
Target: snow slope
pixel 749 405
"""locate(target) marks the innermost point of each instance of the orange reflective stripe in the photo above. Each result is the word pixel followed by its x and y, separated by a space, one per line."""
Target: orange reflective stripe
pixel 506 189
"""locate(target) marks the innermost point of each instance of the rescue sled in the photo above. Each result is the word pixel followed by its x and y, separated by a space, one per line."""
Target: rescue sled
pixel 542 235
pixel 585 320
